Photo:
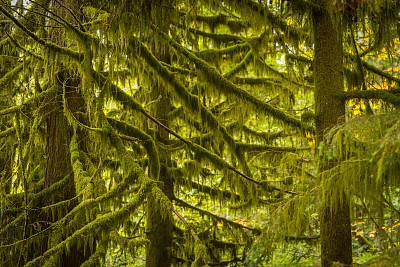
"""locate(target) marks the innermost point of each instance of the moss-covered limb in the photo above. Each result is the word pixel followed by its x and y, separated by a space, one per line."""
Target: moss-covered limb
pixel 229 88
pixel 216 160
pixel 13 223
pixel 117 93
pixel 257 147
pixel 136 176
pixel 254 11
pixel 216 217
pixel 7 132
pixel 101 223
pixel 13 74
pixel 79 32
pixel 240 66
pixel 298 58
pixel 374 69
pixel 191 102
pixel 213 53
pixel 223 38
pixel 371 94
pixel 28 103
pixel 99 255
pixel 47 192
pixel 220 19
pixel 385 74
pixel 147 141
pixel 128 243
pixel 267 137
pixel 80 175
pixel 283 76
pixel 214 193
pixel 270 82
pixel 178 69
pixel 27 51
pixel 63 50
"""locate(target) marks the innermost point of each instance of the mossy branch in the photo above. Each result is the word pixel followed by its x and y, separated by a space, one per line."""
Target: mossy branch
pixel 216 217
pixel 229 88
pixel 298 58
pixel 263 14
pixel 98 256
pixel 7 132
pixel 264 148
pixel 240 66
pixel 226 38
pixel 220 19
pixel 13 74
pixel 147 141
pixel 371 94
pixel 54 47
pixel 28 103
pixel 191 102
pixel 374 69
pixel 212 53
pixel 103 222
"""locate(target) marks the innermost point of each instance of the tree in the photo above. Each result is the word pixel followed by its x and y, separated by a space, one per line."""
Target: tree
pixel 158 120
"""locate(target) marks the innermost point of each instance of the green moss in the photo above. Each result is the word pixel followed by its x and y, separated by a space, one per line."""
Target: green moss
pixel 147 142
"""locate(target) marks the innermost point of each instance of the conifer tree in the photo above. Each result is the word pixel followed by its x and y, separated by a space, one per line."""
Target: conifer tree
pixel 154 127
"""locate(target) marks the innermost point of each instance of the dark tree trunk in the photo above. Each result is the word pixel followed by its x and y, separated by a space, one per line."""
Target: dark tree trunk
pixel 335 221
pixel 59 158
pixel 159 228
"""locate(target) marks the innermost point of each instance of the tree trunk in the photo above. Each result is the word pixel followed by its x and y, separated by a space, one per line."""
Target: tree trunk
pixel 334 221
pixel 159 228
pixel 59 158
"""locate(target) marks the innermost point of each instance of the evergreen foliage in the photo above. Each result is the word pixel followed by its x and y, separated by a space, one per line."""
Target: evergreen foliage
pixel 164 125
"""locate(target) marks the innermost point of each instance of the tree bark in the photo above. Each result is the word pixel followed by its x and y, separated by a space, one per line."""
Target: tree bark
pixel 159 228
pixel 329 109
pixel 59 158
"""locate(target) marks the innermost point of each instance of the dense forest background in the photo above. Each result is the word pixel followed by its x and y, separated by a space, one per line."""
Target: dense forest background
pixel 199 133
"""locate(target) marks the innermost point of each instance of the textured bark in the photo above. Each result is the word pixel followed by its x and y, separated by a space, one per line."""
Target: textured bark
pixel 59 158
pixel 334 221
pixel 159 228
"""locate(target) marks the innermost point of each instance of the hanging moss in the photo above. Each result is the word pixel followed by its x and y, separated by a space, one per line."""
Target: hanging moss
pixel 147 142
pixel 371 94
pixel 229 88
pixel 11 75
pixel 99 255
pixel 102 222
pixel 7 132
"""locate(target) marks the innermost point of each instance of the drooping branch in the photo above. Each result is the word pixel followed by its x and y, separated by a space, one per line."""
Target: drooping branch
pixel 191 102
pixel 371 94
pixel 148 143
pixel 252 10
pixel 257 148
pixel 28 103
pixel 216 217
pixel 217 36
pixel 229 88
pixel 217 20
pixel 7 132
pixel 12 74
pixel 62 50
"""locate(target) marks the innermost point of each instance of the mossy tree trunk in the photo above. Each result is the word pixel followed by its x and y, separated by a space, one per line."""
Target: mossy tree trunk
pixel 59 134
pixel 334 220
pixel 159 227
